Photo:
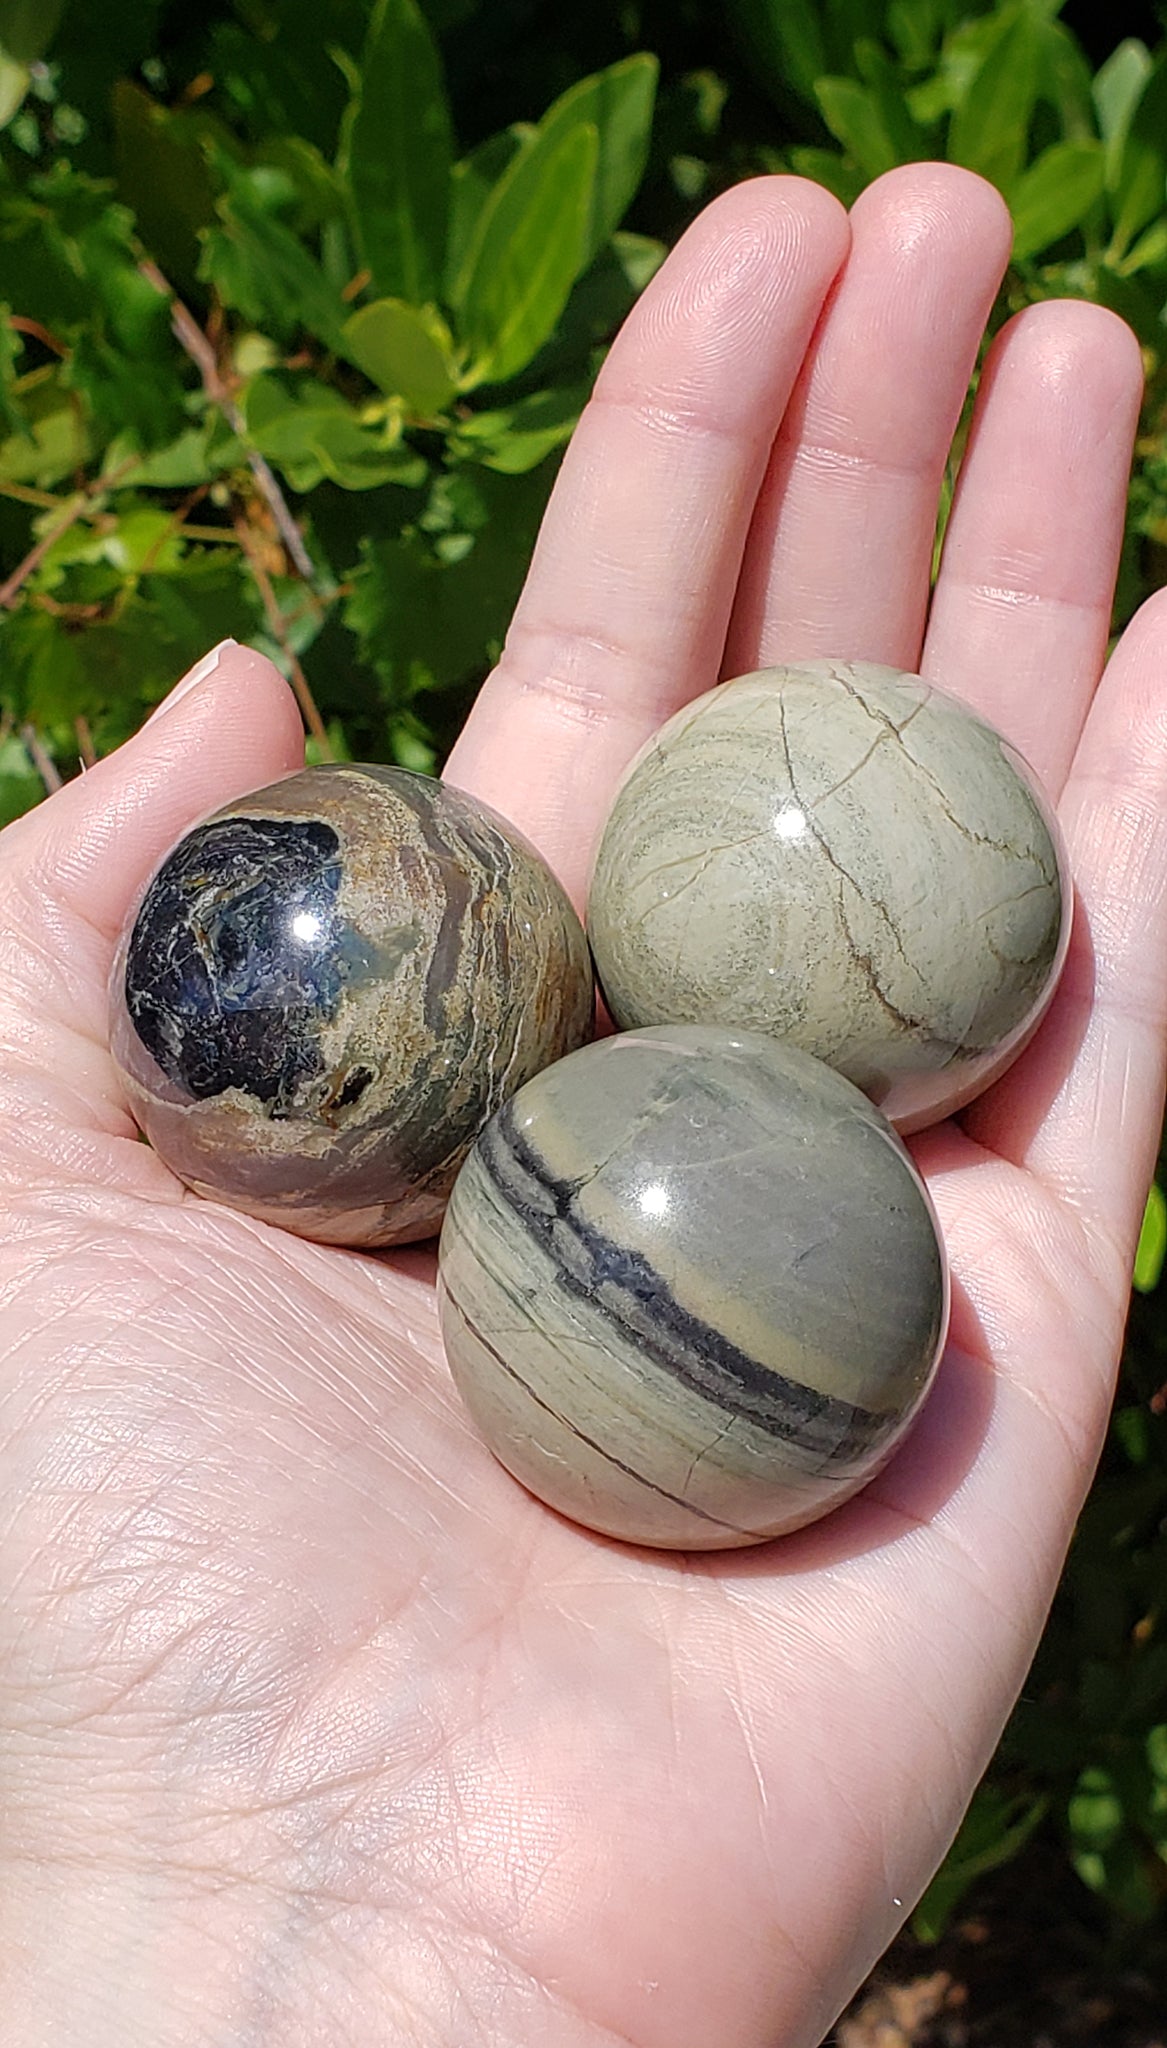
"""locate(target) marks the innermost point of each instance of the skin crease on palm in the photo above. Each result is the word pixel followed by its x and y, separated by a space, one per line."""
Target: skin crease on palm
pixel 315 1729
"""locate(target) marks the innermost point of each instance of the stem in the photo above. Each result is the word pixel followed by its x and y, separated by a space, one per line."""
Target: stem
pixel 42 761
pixel 201 352
pixel 279 630
pixel 81 505
pixel 84 732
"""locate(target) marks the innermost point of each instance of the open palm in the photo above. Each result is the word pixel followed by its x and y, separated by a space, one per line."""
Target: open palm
pixel 317 1729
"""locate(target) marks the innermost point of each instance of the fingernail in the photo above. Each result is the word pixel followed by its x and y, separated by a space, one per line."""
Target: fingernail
pixel 198 674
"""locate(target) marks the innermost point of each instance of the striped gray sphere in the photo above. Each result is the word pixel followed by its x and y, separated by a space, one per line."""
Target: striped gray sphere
pixel 691 1287
pixel 841 855
pixel 327 989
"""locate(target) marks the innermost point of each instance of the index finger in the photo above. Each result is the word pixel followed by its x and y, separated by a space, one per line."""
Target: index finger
pixel 626 605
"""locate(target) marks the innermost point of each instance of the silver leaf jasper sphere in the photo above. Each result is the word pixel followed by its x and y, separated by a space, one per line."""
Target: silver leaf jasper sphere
pixel 691 1287
pixel 840 855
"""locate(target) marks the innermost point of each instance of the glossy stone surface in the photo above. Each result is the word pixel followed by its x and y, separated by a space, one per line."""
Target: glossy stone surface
pixel 328 988
pixel 691 1287
pixel 843 856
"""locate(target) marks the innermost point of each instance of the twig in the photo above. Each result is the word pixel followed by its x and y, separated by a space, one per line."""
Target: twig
pixel 45 501
pixel 43 762
pixel 25 326
pixel 81 504
pixel 191 337
pixel 10 591
pixel 84 732
pixel 177 524
pixel 279 629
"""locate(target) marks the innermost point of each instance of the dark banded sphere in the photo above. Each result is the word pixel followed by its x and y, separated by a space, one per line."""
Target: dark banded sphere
pixel 329 987
pixel 691 1287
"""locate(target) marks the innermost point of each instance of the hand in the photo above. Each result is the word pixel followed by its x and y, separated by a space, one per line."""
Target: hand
pixel 318 1729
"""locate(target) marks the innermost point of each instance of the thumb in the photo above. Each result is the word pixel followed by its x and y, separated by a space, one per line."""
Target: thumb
pixel 70 870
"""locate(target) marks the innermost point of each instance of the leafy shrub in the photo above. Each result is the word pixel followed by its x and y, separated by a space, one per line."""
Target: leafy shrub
pixel 347 444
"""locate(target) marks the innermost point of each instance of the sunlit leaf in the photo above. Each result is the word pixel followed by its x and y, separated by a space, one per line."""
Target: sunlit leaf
pixel 991 121
pixel 471 182
pixel 618 104
pixel 1139 178
pixel 313 432
pixel 1152 1246
pixel 852 114
pixel 995 1830
pixel 516 438
pixel 1118 87
pixel 530 247
pixel 27 27
pixel 264 270
pixel 406 351
pixel 1054 195
pixel 398 154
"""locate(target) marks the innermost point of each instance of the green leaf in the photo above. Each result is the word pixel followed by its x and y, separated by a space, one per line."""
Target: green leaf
pixel 529 249
pixel 20 785
pixel 886 84
pixel 915 27
pixel 406 351
pixel 845 180
pixel 194 457
pixel 990 124
pixel 852 114
pixel 56 442
pixel 313 433
pixel 618 104
pixel 515 438
pixel 784 41
pixel 596 308
pixel 163 175
pixel 994 1830
pixel 15 80
pixel 1055 194
pixel 264 271
pixel 1152 1242
pixel 1139 181
pixel 11 346
pixel 27 27
pixel 1149 252
pixel 471 183
pixel 397 155
pixel 430 606
pixel 1118 86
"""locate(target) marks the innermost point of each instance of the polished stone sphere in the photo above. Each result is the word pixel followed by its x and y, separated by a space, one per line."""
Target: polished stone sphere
pixel 841 855
pixel 327 989
pixel 691 1287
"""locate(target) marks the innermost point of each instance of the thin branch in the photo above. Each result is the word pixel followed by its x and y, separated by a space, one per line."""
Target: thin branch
pixel 84 732
pixel 279 631
pixel 177 525
pixel 80 506
pixel 191 337
pixel 33 327
pixel 45 501
pixel 42 761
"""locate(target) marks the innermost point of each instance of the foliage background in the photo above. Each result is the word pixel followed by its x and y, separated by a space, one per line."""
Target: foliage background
pixel 299 301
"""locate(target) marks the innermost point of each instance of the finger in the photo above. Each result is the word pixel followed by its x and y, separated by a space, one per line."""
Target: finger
pixel 625 609
pixel 1022 607
pixel 840 551
pixel 1084 1106
pixel 70 870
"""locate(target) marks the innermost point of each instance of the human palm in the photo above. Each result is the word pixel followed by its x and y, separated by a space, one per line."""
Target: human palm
pixel 318 1729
